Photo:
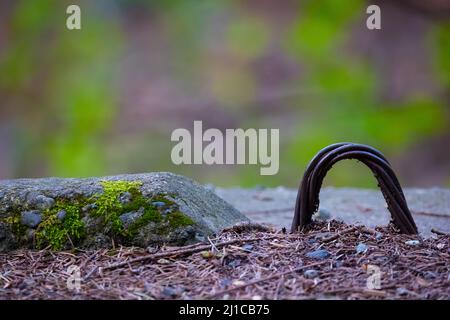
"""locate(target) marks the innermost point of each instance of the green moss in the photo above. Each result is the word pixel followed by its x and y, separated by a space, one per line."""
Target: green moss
pixel 54 232
pixel 150 214
pixel 109 206
pixel 17 227
pixel 178 219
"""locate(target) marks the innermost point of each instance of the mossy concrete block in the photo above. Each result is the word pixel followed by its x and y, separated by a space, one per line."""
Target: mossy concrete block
pixel 172 209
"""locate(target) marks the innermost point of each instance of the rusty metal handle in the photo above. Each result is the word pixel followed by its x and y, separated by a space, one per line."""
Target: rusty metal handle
pixel 308 194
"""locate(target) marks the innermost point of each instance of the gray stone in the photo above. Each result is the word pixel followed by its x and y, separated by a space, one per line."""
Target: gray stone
pixel 39 201
pixel 323 214
pixel 89 207
pixel 209 213
pixel 200 238
pixel 170 292
pixel 44 202
pixel 318 254
pixel 131 217
pixel 158 204
pixel 361 248
pixel 412 243
pixel 31 218
pixel 429 275
pixel 225 282
pixel 402 291
pixel 125 198
pixel 61 215
pixel 311 274
pixel 166 212
pixel 93 225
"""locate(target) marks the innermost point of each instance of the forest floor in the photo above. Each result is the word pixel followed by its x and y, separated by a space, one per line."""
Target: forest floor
pixel 331 260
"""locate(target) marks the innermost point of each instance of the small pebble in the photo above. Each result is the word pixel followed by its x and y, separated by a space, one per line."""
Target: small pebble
pixel 199 237
pixel 311 274
pixel 412 242
pixel 318 254
pixel 323 214
pixel 247 247
pixel 170 292
pixel 429 275
pixel 163 261
pixel 125 198
pixel 402 291
pixel 31 218
pixel 238 282
pixel 361 248
pixel 61 215
pixel 158 204
pixel 234 263
pixel 129 218
pixel 89 207
pixel 225 282
pixel 42 202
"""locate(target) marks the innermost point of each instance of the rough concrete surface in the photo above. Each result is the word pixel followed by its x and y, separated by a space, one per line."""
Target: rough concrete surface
pixel 430 207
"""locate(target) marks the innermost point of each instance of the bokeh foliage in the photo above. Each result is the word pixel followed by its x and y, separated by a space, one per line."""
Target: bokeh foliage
pixel 63 90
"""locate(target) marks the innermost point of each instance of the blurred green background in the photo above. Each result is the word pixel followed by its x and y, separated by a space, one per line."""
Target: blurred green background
pixel 105 99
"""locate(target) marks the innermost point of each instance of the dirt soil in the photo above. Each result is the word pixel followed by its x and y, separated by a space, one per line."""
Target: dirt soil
pixel 331 260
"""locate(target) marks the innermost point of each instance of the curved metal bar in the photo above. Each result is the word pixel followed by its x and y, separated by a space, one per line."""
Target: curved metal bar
pixel 393 196
pixel 348 148
pixel 300 205
pixel 319 172
pixel 308 195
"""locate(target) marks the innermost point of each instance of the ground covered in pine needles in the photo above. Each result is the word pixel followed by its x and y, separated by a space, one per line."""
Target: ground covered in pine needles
pixel 332 260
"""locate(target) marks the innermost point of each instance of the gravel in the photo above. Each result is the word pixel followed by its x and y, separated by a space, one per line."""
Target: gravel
pixel 277 267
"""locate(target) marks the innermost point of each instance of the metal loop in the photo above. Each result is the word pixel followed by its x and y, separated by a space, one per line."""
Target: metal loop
pixel 308 194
